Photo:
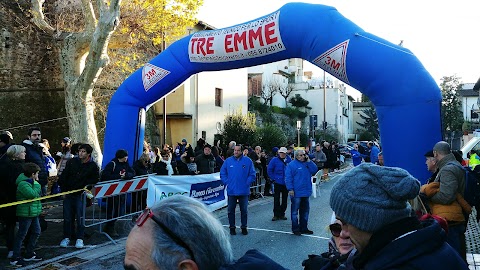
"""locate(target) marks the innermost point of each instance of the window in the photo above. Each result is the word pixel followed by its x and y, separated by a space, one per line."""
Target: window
pixel 218 97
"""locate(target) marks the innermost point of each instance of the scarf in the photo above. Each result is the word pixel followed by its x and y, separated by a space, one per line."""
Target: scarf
pixel 169 166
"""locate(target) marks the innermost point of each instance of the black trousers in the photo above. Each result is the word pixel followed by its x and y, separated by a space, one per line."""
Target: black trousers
pixel 279 208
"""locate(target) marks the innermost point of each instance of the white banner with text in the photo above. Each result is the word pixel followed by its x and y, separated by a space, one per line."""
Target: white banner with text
pixel 207 188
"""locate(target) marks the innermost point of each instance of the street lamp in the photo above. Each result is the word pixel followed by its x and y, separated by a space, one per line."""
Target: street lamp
pixel 299 126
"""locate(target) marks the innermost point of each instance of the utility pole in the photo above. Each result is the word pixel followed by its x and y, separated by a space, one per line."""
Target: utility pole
pixel 324 102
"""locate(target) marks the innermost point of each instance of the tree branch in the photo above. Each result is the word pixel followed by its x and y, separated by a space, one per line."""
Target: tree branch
pixel 89 13
pixel 38 18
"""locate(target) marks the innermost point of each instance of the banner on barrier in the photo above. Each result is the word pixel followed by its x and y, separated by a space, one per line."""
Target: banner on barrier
pixel 205 187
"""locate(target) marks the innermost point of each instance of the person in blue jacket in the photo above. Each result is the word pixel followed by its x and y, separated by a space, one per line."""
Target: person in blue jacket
pixel 276 172
pixel 356 156
pixel 373 152
pixel 298 177
pixel 237 173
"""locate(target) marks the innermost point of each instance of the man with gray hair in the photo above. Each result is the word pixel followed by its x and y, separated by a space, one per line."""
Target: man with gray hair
pixel 177 233
pixel 298 177
pixel 180 233
pixel 451 179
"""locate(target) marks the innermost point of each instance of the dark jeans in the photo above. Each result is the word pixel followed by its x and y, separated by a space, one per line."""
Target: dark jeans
pixel 268 187
pixel 302 205
pixel 73 215
pixel 456 239
pixel 10 225
pixel 232 204
pixel 24 224
pixel 280 208
pixel 115 207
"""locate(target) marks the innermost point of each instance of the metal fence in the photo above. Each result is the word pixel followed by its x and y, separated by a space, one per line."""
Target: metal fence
pixel 113 200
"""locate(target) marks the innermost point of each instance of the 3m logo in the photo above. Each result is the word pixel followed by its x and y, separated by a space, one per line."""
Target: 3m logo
pixel 151 75
pixel 333 61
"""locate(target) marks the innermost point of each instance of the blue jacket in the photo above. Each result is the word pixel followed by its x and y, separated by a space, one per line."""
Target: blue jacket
pixel 276 169
pixel 425 248
pixel 374 154
pixel 357 157
pixel 298 177
pixel 237 174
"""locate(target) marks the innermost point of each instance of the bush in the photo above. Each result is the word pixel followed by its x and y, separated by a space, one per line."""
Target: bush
pixel 365 135
pixel 328 134
pixel 270 136
pixel 240 128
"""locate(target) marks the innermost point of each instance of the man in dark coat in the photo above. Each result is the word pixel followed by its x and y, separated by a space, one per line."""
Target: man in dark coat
pixel 206 161
pixel 117 169
pixel 79 172
pixel 35 155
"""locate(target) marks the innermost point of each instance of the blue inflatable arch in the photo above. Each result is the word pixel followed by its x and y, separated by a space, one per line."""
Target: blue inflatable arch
pixel 405 96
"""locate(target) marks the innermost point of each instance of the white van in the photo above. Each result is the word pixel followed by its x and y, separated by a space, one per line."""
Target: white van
pixel 473 144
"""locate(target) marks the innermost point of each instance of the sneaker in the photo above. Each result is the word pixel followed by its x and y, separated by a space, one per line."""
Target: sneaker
pixel 274 218
pixel 244 231
pixel 10 254
pixel 232 231
pixel 307 231
pixel 32 258
pixel 18 262
pixel 79 243
pixel 65 242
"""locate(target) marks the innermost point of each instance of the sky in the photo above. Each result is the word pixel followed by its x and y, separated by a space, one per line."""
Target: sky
pixel 443 35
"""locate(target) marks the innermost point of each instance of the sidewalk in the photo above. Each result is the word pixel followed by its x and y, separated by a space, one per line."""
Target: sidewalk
pixel 472 237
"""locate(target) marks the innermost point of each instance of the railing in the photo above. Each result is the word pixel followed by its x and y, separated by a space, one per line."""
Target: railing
pixel 113 200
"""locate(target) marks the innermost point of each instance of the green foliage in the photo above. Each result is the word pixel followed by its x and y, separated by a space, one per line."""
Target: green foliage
pixel 451 103
pixel 328 134
pixel 365 135
pixel 370 121
pixel 276 109
pixel 240 128
pixel 270 136
pixel 299 102
pixel 467 126
pixel 365 98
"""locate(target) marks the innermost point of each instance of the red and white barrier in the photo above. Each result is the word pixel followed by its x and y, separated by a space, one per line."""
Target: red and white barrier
pixel 116 188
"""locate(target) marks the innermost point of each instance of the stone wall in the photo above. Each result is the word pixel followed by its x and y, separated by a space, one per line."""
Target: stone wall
pixel 31 86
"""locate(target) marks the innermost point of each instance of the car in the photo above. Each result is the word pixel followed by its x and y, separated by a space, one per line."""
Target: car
pixel 345 150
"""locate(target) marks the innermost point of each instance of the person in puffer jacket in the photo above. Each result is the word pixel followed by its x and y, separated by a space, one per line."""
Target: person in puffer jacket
pixel 299 184
pixel 238 173
pixel 276 172
pixel 27 213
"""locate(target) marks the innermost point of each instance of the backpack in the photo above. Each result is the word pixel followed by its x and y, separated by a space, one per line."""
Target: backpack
pixel 472 186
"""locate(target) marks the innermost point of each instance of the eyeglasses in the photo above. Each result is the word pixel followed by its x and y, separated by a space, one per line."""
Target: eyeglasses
pixel 147 213
pixel 335 229
pixel 301 155
pixel 165 156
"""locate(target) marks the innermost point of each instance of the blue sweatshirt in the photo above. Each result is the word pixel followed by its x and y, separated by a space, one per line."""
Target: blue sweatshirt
pixel 237 174
pixel 298 177
pixel 276 169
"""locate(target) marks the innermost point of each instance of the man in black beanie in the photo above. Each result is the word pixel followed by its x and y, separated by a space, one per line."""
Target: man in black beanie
pixel 372 203
pixel 117 169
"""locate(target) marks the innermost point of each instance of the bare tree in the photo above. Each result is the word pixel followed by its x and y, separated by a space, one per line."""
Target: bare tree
pixel 269 89
pixel 83 55
pixel 285 91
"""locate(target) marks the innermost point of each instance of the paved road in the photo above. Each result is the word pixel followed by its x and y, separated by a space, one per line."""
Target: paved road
pixel 272 238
